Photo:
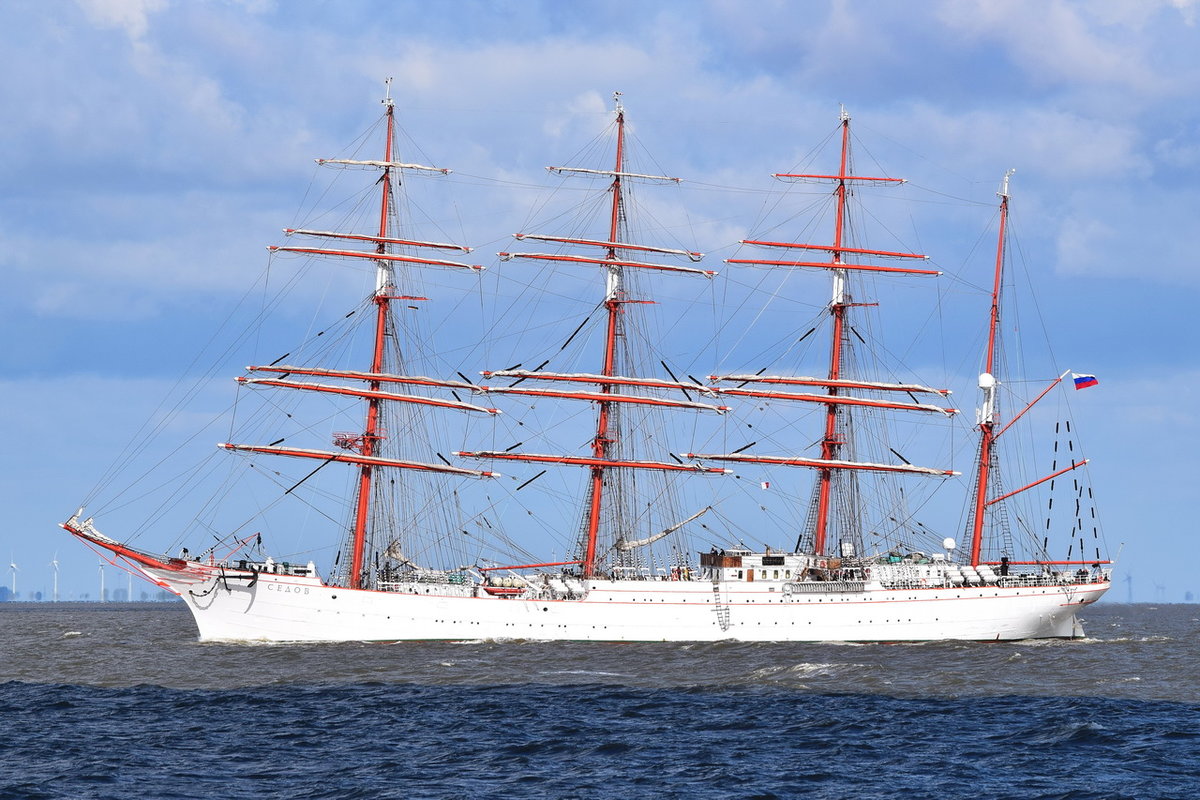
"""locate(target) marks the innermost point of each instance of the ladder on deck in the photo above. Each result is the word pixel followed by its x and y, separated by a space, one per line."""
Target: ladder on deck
pixel 720 607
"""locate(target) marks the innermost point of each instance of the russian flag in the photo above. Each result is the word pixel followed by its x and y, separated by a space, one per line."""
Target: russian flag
pixel 1084 381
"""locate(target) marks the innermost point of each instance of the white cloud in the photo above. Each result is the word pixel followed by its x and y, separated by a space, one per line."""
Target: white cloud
pixel 133 16
pixel 1084 245
pixel 1051 143
pixel 1187 9
pixel 1062 42
pixel 1181 150
pixel 1147 235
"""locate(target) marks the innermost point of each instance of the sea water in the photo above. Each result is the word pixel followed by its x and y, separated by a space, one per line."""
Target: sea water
pixel 116 701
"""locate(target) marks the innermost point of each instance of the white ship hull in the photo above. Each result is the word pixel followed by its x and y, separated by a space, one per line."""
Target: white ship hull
pixel 288 608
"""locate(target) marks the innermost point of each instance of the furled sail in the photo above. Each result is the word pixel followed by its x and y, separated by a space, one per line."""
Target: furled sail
pixel 627 544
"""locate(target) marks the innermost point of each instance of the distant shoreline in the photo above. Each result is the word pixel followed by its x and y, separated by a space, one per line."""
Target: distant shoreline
pixel 169 601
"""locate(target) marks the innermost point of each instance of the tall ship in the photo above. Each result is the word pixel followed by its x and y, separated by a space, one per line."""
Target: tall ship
pixel 579 490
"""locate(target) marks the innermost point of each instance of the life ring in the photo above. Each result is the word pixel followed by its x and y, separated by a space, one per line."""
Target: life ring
pixel 787 590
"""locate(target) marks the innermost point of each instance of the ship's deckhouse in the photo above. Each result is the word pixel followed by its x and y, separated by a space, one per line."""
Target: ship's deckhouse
pixel 748 567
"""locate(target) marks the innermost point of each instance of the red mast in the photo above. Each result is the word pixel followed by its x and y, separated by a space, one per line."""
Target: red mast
pixel 365 449
pixel 831 441
pixel 987 383
pixel 612 302
pixel 608 394
pixel 382 298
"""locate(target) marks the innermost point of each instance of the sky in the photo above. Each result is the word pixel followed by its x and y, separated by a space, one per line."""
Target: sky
pixel 153 148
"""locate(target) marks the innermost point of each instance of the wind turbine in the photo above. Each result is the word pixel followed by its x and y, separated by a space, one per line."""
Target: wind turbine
pixel 12 566
pixel 102 581
pixel 54 564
